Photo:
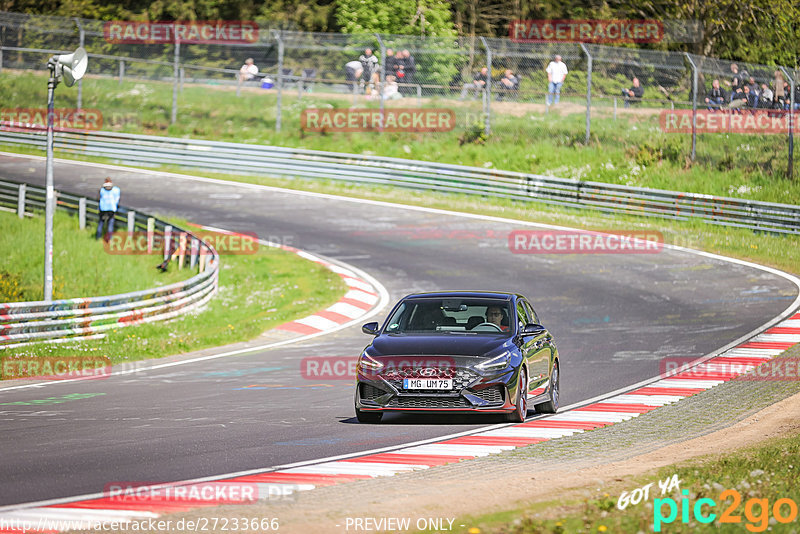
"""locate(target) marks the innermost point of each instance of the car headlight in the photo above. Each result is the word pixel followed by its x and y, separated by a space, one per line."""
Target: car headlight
pixel 368 363
pixel 496 363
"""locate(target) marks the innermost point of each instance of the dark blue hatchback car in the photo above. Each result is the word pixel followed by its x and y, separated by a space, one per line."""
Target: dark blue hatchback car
pixel 464 351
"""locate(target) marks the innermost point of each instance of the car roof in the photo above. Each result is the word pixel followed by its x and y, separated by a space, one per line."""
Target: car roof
pixel 465 294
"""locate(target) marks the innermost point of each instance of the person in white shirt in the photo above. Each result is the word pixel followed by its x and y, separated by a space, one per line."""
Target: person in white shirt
pixel 556 74
pixel 248 70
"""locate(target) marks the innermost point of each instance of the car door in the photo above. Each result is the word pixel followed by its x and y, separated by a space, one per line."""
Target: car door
pixel 538 349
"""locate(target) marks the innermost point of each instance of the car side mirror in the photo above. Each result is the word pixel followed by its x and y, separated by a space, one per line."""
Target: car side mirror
pixel 371 329
pixel 532 329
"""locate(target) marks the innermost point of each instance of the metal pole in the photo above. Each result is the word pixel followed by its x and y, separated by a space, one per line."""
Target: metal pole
pixel 487 92
pixel 790 167
pixel 694 106
pixel 383 74
pixel 21 201
pixel 121 70
pixel 82 213
pixel 175 76
pixel 588 93
pixel 80 82
pixel 50 194
pixel 279 38
pixel 131 222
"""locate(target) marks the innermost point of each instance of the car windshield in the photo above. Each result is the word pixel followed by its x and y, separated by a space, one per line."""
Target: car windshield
pixel 452 315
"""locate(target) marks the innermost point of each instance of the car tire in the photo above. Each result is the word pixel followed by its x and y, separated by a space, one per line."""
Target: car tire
pixel 551 406
pixel 521 407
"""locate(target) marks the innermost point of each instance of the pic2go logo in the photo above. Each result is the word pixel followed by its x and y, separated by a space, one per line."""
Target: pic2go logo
pixel 756 511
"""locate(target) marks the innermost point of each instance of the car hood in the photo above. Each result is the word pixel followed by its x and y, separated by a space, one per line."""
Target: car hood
pixel 448 344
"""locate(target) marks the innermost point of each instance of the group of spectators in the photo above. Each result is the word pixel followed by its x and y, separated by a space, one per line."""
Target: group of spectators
pixel 401 68
pixel 745 92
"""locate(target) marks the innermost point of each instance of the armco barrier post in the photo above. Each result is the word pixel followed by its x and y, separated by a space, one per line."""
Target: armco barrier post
pixel 588 93
pixel 182 250
pixel 193 252
pixel 82 213
pixel 151 230
pixel 121 70
pixel 21 201
pixel 167 239
pixel 131 222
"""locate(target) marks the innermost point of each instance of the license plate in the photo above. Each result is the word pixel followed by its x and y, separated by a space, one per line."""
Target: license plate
pixel 427 383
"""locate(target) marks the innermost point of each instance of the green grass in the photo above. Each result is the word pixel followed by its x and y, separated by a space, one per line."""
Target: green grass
pixel 256 292
pixel 81 266
pixel 631 150
pixel 766 472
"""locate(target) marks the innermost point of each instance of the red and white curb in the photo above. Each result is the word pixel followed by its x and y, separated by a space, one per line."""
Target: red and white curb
pixel 363 294
pixel 92 510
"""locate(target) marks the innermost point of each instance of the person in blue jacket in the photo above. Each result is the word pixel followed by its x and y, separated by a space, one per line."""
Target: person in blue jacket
pixel 109 201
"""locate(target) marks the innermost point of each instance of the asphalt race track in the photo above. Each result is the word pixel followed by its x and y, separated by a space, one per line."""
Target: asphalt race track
pixel 614 317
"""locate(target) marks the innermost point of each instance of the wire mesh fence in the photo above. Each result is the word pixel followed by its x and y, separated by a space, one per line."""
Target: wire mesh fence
pixel 486 84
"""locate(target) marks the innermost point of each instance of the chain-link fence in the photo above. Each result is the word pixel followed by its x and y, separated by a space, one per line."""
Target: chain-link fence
pixel 486 83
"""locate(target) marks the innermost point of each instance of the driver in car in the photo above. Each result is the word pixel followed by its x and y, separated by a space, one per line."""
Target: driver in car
pixel 494 315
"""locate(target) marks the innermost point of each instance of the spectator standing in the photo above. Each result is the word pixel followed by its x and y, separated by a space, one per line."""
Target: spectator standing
pixel 716 97
pixel 779 98
pixel 369 64
pixel 477 85
pixel 556 74
pixel 737 79
pixel 109 202
pixel 391 61
pixel 634 93
pixel 409 71
pixel 248 70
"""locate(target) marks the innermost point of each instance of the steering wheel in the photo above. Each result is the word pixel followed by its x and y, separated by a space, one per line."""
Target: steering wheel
pixel 487 324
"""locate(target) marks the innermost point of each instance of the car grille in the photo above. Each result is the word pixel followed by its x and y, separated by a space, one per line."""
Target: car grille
pixel 370 392
pixel 492 395
pixel 429 402
pixel 461 377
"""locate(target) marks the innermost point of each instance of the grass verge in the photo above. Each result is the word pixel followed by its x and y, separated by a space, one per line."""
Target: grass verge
pixel 749 489
pixel 631 149
pixel 256 292
pixel 81 266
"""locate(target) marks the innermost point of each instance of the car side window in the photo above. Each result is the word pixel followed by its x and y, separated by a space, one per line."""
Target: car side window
pixel 522 315
pixel 531 314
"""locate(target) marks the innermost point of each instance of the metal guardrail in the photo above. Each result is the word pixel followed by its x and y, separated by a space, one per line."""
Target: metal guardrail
pixel 22 323
pixel 310 164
